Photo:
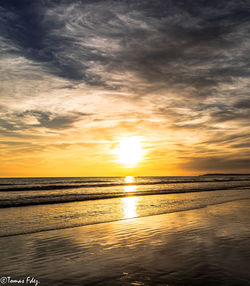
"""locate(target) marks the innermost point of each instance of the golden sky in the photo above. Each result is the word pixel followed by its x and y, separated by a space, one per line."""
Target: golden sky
pixel 80 77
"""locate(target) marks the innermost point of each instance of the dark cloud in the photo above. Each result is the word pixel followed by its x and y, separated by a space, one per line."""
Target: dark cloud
pixel 188 50
pixel 243 104
pixel 230 115
pixel 25 25
pixel 242 145
pixel 7 125
pixel 14 123
pixel 189 44
pixel 52 121
pixel 221 138
pixel 12 143
pixel 185 45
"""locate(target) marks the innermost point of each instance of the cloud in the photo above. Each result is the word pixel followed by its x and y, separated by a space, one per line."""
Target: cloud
pixel 175 71
pixel 18 124
pixel 51 121
pixel 165 43
pixel 243 104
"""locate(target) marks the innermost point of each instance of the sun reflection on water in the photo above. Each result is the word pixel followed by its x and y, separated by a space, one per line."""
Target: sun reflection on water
pixel 129 189
pixel 129 207
pixel 129 179
pixel 129 203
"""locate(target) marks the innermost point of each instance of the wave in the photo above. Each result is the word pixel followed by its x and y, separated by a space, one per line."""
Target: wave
pixel 67 198
pixel 18 183
pixel 107 184
pixel 61 227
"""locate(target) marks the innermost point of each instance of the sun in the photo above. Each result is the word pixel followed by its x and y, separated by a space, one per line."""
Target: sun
pixel 130 151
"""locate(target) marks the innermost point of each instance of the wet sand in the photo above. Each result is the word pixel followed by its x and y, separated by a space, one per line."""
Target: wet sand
pixel 207 246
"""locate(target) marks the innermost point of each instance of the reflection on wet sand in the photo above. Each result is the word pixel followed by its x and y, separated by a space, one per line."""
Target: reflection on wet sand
pixel 207 246
pixel 129 207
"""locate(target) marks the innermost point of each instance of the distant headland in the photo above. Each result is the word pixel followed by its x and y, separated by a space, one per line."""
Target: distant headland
pixel 225 174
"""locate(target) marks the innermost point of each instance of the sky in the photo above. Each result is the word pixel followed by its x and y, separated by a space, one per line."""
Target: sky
pixel 79 76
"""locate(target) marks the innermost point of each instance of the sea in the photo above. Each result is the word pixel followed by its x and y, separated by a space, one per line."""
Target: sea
pixel 39 204
pixel 141 231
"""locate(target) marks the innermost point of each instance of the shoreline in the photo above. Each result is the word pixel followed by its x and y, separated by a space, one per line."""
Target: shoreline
pixel 124 219
pixel 207 246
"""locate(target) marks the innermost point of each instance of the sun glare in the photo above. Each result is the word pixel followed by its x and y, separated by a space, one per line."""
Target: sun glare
pixel 129 179
pixel 130 151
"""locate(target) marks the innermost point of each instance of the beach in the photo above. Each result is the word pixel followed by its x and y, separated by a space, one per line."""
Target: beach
pixel 201 246
pixel 124 143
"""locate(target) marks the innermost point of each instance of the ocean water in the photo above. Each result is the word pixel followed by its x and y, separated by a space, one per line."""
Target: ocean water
pixel 38 204
pixel 125 231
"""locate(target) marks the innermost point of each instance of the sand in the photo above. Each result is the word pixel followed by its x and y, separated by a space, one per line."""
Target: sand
pixel 207 246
